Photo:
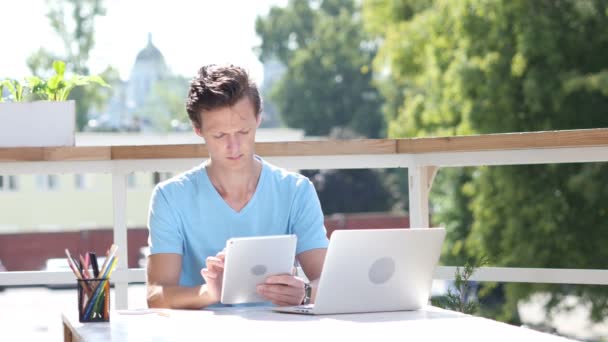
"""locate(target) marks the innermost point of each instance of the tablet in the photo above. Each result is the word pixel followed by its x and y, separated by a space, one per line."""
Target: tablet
pixel 250 260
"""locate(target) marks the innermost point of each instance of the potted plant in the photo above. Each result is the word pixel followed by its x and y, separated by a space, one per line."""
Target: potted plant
pixel 49 119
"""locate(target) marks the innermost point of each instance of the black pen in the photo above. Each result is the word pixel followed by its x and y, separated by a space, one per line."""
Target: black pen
pixel 93 258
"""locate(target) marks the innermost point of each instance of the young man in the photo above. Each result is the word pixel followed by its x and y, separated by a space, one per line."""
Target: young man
pixel 234 194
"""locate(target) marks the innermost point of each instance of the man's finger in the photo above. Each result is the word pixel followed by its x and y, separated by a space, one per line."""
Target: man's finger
pixel 285 279
pixel 221 255
pixel 282 297
pixel 280 290
pixel 206 273
pixel 215 262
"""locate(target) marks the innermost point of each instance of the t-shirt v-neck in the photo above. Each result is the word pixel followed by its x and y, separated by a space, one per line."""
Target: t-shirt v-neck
pixel 218 197
pixel 187 216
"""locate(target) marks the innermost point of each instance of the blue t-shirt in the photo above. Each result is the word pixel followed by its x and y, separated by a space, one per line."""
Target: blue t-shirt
pixel 188 216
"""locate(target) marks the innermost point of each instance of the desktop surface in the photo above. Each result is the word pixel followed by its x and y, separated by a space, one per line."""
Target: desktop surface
pixel 429 324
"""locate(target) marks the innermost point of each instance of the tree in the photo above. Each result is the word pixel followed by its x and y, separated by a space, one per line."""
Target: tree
pixel 480 66
pixel 328 82
pixel 353 190
pixel 328 89
pixel 74 22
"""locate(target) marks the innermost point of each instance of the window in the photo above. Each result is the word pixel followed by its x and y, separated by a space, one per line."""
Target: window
pixel 80 181
pixel 131 181
pixel 8 183
pixel 47 182
pixel 158 177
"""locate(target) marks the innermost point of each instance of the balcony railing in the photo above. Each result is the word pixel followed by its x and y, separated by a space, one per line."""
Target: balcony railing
pixel 421 156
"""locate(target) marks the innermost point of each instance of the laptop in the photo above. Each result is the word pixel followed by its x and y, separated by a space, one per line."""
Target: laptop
pixel 372 270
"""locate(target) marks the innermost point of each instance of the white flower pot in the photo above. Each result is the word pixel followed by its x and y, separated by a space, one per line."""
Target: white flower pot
pixel 41 123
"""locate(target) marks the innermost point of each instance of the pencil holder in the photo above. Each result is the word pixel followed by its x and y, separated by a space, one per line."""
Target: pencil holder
pixel 94 300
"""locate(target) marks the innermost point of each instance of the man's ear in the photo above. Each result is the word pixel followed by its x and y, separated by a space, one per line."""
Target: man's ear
pixel 197 130
pixel 258 120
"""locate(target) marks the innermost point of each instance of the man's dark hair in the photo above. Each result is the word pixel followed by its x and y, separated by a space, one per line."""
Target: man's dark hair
pixel 218 86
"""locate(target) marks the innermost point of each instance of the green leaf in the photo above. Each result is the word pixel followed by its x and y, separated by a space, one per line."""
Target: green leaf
pixel 78 80
pixel 37 86
pixel 34 81
pixel 54 82
pixel 97 80
pixel 20 90
pixel 65 92
pixel 59 67
pixel 10 86
pixel 15 88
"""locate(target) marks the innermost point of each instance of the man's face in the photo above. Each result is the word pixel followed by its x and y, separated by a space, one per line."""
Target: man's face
pixel 229 134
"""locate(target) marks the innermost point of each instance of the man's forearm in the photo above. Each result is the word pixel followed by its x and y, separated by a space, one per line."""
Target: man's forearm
pixel 178 297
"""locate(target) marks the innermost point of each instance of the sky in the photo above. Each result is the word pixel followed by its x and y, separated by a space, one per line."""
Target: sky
pixel 189 33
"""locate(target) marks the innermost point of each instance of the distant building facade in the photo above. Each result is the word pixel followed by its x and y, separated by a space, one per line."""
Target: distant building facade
pixel 120 113
pixel 132 108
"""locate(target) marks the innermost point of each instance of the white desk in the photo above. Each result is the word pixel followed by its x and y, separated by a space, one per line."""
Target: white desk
pixel 260 324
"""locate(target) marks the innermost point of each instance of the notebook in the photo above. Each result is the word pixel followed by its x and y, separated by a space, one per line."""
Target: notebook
pixel 373 270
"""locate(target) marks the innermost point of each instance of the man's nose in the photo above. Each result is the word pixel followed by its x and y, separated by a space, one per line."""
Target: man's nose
pixel 234 142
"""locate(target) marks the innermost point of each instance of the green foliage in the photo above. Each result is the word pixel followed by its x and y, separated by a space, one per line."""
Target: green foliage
pixel 462 298
pixel 351 190
pixel 74 23
pixel 328 82
pixel 15 88
pixel 40 62
pixel 55 88
pixel 451 195
pixel 328 89
pixel 286 30
pixel 488 66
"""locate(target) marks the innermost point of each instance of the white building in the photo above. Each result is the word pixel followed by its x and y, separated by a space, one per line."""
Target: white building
pixel 128 96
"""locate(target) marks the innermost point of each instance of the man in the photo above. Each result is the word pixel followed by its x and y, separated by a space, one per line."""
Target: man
pixel 235 193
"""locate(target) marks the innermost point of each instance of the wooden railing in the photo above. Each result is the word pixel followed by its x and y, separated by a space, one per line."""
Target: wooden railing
pixel 422 156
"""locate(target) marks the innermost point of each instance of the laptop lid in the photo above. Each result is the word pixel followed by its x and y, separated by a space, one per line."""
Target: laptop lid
pixel 372 270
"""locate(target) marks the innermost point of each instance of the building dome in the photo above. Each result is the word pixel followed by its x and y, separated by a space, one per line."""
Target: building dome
pixel 150 53
pixel 148 69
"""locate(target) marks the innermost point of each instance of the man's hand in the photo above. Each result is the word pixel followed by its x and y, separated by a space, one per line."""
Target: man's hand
pixel 214 274
pixel 283 290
